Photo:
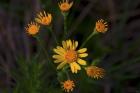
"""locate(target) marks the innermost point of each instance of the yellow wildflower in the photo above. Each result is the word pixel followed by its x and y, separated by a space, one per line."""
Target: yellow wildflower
pixel 68 85
pixel 65 5
pixel 67 54
pixel 43 18
pixel 95 72
pixel 32 28
pixel 101 26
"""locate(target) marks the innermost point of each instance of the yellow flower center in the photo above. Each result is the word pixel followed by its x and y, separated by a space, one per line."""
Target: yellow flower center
pixel 71 56
pixel 100 27
pixel 45 20
pixel 65 7
pixel 68 85
pixel 33 29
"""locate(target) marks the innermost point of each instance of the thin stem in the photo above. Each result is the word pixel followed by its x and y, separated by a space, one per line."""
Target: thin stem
pixel 42 47
pixel 66 72
pixel 53 34
pixel 65 25
pixel 88 38
pixel 95 62
pixel 67 75
pixel 44 50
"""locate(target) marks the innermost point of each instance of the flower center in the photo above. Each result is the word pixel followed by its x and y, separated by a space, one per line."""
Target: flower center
pixel 100 27
pixel 45 20
pixel 68 86
pixel 71 56
pixel 33 29
pixel 64 7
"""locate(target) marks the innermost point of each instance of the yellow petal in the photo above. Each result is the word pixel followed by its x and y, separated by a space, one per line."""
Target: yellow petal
pixel 61 65
pixel 64 44
pixel 69 44
pixel 83 55
pixel 58 51
pixel 71 4
pixel 73 45
pixel 75 67
pixel 72 67
pixel 50 17
pixel 39 16
pixel 82 62
pixel 58 61
pixel 76 44
pixel 82 50
pixel 58 57
pixel 38 20
pixel 44 13
pixel 61 49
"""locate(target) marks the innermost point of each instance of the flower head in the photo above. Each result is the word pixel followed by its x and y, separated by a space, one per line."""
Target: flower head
pixel 68 85
pixel 95 72
pixel 43 18
pixel 67 54
pixel 101 26
pixel 65 5
pixel 32 28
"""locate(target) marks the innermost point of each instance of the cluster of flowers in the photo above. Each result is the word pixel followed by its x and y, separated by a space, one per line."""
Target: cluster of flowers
pixel 67 54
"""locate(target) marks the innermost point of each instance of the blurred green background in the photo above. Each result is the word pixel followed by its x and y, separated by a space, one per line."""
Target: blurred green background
pixel 118 49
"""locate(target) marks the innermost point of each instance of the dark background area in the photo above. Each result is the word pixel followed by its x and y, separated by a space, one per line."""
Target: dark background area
pixel 118 48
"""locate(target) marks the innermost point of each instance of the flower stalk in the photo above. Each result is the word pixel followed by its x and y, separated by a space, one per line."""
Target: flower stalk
pixel 42 47
pixel 89 37
pixel 65 24
pixel 53 34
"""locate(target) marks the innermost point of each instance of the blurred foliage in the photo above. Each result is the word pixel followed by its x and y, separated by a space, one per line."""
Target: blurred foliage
pixel 28 76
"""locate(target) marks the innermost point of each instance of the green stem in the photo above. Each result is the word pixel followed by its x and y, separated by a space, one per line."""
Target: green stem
pixel 88 38
pixel 53 34
pixel 66 72
pixel 65 25
pixel 95 62
pixel 67 75
pixel 42 47
pixel 44 50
